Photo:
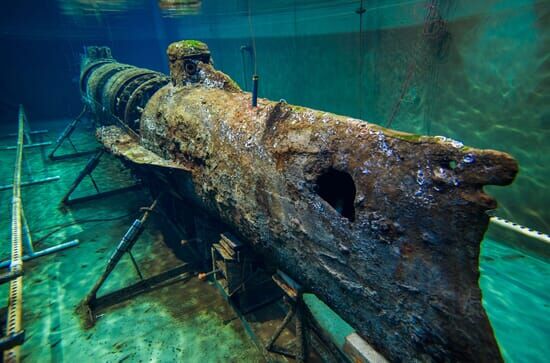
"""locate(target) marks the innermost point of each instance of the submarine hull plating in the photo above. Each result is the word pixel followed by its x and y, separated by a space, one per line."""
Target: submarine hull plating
pixel 384 226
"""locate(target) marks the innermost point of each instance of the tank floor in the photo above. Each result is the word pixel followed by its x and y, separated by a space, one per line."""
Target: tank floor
pixel 186 322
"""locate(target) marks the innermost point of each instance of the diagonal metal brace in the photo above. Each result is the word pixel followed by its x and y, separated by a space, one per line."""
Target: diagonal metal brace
pixel 125 245
pixel 87 171
pixel 65 135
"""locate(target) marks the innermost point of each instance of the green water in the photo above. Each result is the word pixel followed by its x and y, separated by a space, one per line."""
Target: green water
pixel 517 299
pixel 489 89
pixel 183 322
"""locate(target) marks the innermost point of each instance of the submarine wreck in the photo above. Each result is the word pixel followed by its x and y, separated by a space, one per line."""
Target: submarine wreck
pixel 383 226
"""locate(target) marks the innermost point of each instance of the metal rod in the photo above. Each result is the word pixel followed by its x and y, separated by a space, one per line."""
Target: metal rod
pixel 108 193
pixel 28 169
pixel 27 146
pixel 94 183
pixel 255 79
pixel 8 276
pixel 67 133
pixel 44 252
pixel 34 132
pixel 14 322
pixel 31 182
pixel 543 237
pixel 134 262
pixel 12 340
pixel 73 155
pixel 125 244
pixel 280 328
pixel 72 145
pixel 90 166
pixel 177 274
pixel 27 239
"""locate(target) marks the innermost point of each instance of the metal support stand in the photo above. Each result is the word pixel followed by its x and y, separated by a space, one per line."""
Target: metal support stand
pixel 91 303
pixel 66 135
pixel 28 245
pixel 27 146
pixel 21 241
pixel 293 293
pixel 27 133
pixel 28 143
pixel 31 182
pixel 87 171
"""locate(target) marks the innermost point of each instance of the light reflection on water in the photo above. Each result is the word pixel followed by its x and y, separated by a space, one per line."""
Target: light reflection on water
pixel 169 8
pixel 96 7
pixel 517 301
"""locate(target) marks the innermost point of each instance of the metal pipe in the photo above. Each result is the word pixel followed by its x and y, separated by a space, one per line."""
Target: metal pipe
pixel 44 252
pixel 8 276
pixel 67 132
pixel 31 182
pixel 123 246
pixel 255 79
pixel 33 132
pixel 280 328
pixel 28 146
pixel 543 237
pixel 14 322
pixel 92 163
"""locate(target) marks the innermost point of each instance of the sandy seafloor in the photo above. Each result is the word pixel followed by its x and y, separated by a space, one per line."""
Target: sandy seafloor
pixel 186 322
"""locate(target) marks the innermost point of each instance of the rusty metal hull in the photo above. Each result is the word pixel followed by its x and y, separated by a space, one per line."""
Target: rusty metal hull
pixel 385 227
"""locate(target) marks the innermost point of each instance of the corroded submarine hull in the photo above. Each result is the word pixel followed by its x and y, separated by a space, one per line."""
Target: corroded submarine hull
pixel 385 227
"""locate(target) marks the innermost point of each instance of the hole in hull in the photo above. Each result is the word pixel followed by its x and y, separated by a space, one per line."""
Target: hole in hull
pixel 338 189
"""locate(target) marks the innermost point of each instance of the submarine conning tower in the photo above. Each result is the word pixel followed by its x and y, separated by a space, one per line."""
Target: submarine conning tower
pixel 116 92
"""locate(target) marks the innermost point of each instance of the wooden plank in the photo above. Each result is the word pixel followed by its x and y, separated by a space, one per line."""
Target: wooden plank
pixel 232 241
pixel 222 251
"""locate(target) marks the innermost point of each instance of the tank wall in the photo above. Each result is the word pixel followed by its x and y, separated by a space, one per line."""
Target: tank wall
pixel 487 87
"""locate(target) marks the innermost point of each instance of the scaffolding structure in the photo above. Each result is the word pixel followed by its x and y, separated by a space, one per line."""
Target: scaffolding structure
pixel 21 250
pixel 29 143
pixel 66 136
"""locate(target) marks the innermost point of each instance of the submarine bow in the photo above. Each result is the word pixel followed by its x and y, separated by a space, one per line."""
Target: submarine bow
pixel 384 226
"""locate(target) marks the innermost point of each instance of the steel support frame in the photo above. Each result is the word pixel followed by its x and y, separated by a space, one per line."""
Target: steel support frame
pixel 66 135
pixel 92 302
pixel 20 241
pixel 87 171
pixel 293 292
pixel 28 144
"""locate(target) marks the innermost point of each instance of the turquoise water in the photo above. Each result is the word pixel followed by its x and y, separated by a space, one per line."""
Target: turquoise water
pixel 516 297
pixel 489 88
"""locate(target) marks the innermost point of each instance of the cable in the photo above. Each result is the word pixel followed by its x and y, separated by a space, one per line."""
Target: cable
pixel 251 28
pixel 436 35
pixel 360 11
